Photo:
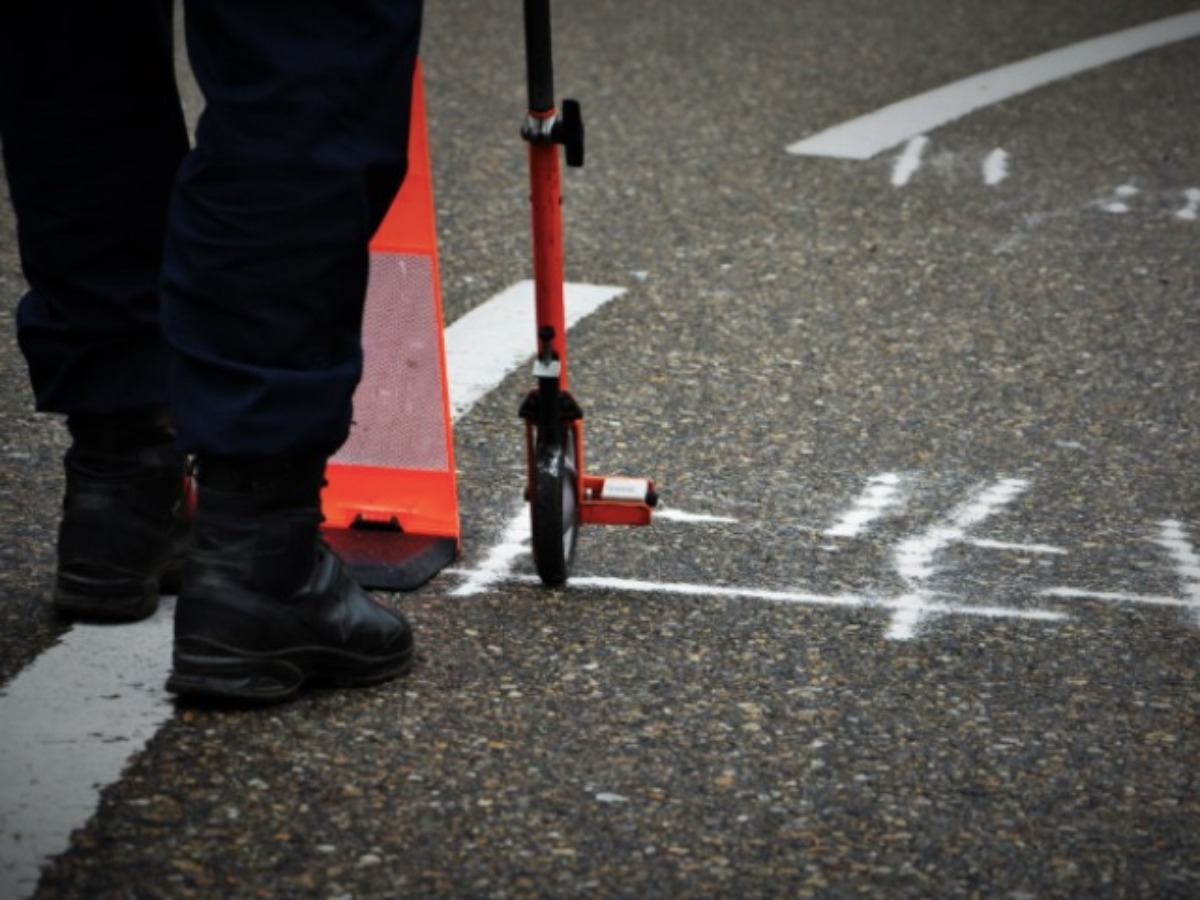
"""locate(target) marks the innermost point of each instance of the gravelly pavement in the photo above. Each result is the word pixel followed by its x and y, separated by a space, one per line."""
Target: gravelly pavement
pixel 962 699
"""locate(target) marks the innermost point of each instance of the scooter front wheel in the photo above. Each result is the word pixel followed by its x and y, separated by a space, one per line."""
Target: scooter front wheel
pixel 554 507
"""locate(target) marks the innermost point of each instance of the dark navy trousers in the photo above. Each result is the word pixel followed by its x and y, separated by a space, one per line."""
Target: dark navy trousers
pixel 225 279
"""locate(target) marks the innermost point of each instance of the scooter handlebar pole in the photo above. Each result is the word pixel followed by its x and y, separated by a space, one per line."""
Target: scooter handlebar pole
pixel 539 65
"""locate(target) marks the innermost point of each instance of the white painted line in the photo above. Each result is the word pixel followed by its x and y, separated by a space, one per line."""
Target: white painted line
pixel 678 515
pixel 909 161
pixel 883 492
pixel 1068 593
pixel 804 598
pixel 498 336
pixel 72 719
pixel 498 563
pixel 1019 548
pixel 1174 538
pixel 914 557
pixel 1120 195
pixel 995 167
pixel 88 704
pixel 1192 210
pixel 892 125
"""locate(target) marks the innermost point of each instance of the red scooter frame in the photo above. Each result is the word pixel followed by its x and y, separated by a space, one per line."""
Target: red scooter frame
pixel 561 496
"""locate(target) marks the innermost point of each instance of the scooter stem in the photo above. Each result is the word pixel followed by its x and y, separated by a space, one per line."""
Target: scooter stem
pixel 545 181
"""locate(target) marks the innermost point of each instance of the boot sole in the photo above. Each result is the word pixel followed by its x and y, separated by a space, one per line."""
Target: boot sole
pixel 131 599
pixel 93 600
pixel 225 673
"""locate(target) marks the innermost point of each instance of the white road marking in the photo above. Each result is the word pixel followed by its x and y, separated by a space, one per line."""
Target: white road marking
pixel 1190 212
pixel 90 703
pixel 1120 194
pixel 73 718
pixel 498 563
pixel 909 161
pixel 892 125
pixel 498 336
pixel 995 167
pixel 914 560
pixel 678 515
pixel 802 598
pixel 914 557
pixel 1174 539
pixel 1068 593
pixel 1019 548
pixel 883 493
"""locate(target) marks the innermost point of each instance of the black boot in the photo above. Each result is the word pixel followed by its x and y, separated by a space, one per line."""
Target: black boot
pixel 124 525
pixel 265 606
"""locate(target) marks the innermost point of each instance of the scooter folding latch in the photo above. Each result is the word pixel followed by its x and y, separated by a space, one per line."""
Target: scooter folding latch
pixel 565 127
pixel 539 129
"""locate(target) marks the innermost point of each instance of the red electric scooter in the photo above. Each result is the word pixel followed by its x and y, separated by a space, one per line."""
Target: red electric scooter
pixel 561 496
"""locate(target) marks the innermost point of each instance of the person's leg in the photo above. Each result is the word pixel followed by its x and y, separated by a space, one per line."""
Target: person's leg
pixel 92 135
pixel 299 152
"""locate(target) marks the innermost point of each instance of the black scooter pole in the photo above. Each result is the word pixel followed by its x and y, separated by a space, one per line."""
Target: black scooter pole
pixel 539 66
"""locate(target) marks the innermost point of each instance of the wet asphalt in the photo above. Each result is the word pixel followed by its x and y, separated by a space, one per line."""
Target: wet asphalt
pixel 737 702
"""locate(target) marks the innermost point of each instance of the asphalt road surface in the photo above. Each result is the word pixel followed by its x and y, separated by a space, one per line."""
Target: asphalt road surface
pixel 920 614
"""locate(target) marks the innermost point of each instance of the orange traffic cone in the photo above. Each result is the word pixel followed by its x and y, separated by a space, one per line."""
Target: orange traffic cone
pixel 391 504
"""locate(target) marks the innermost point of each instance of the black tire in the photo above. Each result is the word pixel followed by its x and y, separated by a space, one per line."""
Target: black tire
pixel 554 510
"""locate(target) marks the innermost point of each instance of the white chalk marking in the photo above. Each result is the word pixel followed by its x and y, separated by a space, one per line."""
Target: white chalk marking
pixel 1174 539
pixel 914 557
pixel 802 598
pixel 1192 210
pixel 72 719
pixel 1068 593
pixel 498 336
pixel 1019 548
pixel 498 563
pixel 882 493
pixel 1120 195
pixel 678 515
pixel 90 703
pixel 892 125
pixel 995 167
pixel 909 161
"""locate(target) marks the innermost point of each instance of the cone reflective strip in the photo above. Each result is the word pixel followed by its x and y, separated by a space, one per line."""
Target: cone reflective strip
pixel 397 467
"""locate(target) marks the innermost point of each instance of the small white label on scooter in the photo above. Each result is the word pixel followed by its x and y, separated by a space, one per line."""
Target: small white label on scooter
pixel 634 489
pixel 550 369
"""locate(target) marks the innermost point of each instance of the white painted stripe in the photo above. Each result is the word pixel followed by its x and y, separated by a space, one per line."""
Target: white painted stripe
pixel 72 719
pixel 1019 548
pixel 678 515
pixel 882 493
pixel 499 561
pixel 1117 204
pixel 995 167
pixel 892 125
pixel 909 161
pixel 1174 538
pixel 914 557
pixel 498 336
pixel 1190 212
pixel 1069 593
pixel 88 704
pixel 804 598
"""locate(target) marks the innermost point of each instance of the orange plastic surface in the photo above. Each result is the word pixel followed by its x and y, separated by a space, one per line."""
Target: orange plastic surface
pixel 420 501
